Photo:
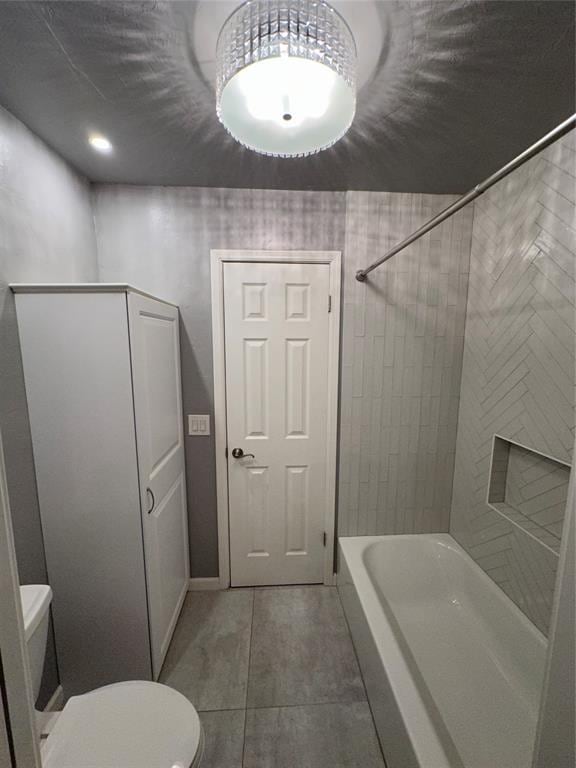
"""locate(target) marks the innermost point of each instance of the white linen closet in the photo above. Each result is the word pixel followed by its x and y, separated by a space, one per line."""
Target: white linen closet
pixel 102 374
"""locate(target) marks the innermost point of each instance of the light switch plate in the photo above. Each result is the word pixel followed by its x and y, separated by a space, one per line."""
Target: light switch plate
pixel 198 425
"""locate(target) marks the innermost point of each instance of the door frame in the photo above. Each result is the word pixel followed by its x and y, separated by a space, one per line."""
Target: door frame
pixel 217 260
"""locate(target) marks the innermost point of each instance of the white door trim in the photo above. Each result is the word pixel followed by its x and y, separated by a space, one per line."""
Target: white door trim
pixel 217 260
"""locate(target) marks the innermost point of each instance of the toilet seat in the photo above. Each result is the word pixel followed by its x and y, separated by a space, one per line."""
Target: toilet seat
pixel 126 725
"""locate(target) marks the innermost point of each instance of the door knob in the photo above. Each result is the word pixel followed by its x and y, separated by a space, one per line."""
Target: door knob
pixel 238 453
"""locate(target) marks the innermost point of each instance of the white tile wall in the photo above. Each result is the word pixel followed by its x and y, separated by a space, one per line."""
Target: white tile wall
pixel 518 374
pixel 401 361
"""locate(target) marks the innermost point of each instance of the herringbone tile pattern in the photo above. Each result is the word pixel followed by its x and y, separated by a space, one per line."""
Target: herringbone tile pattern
pixel 403 334
pixel 518 370
pixel 538 489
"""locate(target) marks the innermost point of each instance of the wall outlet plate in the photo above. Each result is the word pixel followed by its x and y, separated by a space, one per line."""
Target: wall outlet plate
pixel 198 425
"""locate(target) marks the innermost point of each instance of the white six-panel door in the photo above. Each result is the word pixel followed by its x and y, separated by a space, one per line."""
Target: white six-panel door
pixel 276 350
pixel 155 350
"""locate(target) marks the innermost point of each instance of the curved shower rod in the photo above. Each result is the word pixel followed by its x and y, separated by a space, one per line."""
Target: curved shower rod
pixel 528 154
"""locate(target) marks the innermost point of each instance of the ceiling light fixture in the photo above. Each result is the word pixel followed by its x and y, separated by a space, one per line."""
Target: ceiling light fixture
pixel 286 76
pixel 100 143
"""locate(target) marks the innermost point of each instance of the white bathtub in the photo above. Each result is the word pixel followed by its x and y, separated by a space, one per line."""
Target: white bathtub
pixel 452 667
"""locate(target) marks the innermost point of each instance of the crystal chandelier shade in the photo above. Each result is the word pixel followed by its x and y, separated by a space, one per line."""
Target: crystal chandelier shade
pixel 286 76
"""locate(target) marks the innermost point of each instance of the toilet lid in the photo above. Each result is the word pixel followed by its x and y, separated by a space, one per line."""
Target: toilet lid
pixel 126 725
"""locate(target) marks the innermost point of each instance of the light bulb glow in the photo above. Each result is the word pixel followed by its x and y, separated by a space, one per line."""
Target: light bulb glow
pixel 287 90
pixel 100 143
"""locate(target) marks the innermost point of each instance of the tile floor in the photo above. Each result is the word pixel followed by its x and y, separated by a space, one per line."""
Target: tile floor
pixel 273 674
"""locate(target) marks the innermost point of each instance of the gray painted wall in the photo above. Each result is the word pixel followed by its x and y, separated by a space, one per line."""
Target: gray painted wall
pixel 518 373
pixel 47 235
pixel 159 239
pixel 403 334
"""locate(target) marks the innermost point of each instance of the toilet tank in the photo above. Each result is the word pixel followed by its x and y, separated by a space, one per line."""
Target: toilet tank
pixel 36 599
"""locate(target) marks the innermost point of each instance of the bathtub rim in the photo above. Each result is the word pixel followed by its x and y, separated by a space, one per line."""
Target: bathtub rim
pixel 429 736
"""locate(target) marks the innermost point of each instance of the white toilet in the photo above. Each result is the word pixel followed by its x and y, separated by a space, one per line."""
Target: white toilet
pixel 126 725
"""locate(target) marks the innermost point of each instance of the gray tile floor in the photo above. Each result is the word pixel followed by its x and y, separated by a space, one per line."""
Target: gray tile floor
pixel 273 675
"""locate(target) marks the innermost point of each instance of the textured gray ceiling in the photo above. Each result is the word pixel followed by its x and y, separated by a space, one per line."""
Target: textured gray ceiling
pixel 459 88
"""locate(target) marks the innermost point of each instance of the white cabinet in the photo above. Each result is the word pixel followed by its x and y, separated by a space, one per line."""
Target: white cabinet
pixel 102 374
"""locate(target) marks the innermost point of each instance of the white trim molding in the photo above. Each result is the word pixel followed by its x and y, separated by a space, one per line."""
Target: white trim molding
pixel 200 584
pixel 83 288
pixel 217 260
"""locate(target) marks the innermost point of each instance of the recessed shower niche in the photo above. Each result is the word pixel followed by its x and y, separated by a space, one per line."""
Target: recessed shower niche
pixel 529 489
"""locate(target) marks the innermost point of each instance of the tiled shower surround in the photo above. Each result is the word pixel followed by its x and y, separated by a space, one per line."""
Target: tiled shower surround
pixel 403 333
pixel 407 390
pixel 518 369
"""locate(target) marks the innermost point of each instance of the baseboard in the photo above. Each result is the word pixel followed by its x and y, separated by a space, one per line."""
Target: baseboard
pixel 203 585
pixel 56 701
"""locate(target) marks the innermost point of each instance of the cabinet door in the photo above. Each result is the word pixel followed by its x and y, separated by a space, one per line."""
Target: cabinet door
pixel 155 350
pixel 76 355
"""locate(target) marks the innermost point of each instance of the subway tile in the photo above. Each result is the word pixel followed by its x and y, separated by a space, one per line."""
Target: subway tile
pixel 518 372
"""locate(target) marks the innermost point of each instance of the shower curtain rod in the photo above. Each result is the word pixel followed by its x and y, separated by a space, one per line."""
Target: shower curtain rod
pixel 529 153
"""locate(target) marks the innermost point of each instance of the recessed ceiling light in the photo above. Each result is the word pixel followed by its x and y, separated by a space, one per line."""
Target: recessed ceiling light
pixel 100 143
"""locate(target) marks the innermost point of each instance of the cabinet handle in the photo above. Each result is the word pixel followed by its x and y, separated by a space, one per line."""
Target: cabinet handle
pixel 148 490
